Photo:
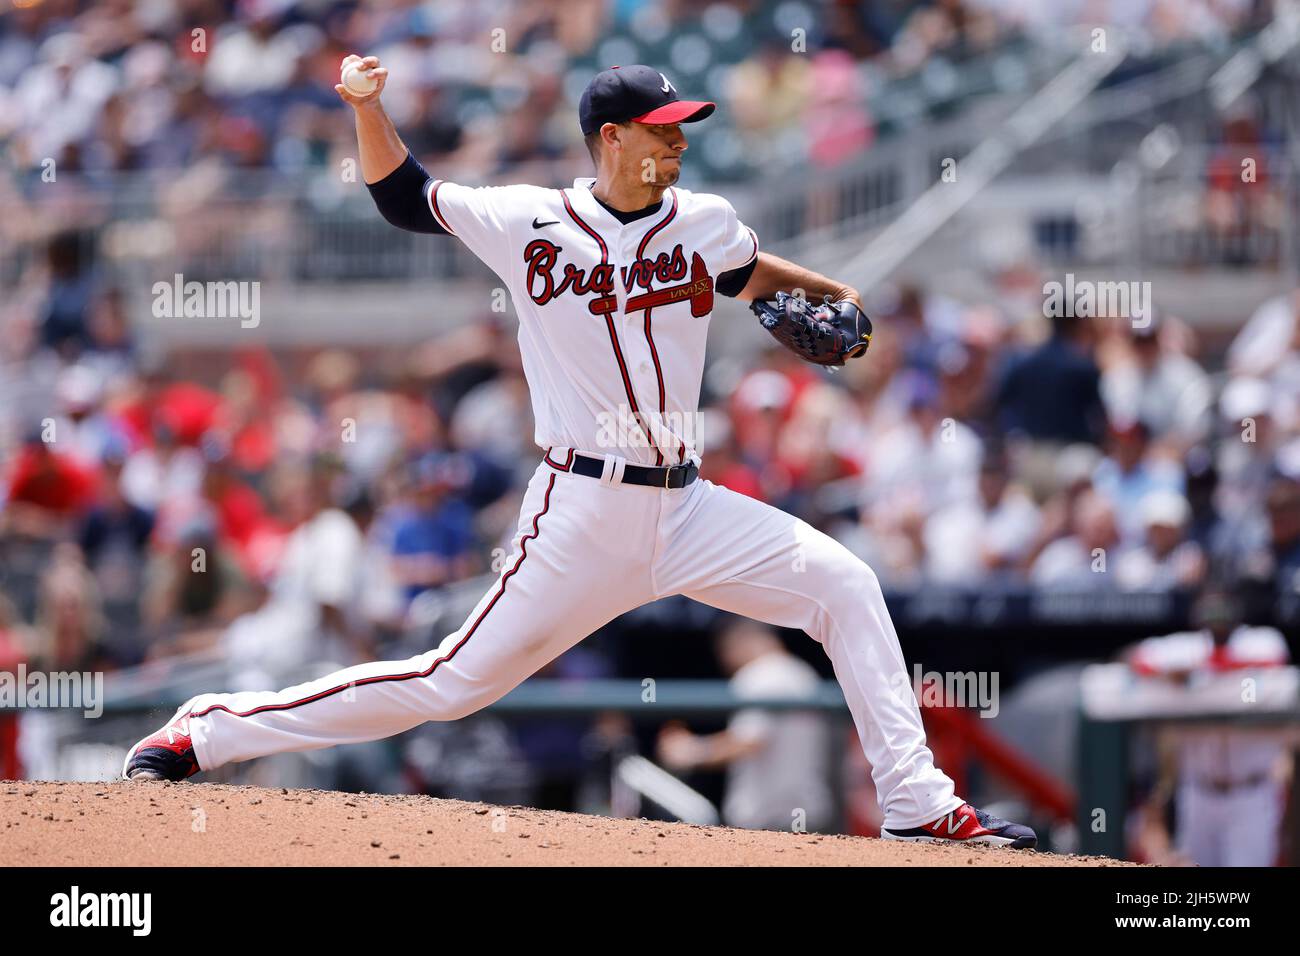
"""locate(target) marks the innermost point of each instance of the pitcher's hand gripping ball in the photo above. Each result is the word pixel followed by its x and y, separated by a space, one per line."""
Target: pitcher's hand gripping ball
pixel 357 79
pixel 826 334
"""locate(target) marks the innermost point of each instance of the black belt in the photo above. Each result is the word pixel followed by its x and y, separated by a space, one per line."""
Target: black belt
pixel 1222 785
pixel 669 476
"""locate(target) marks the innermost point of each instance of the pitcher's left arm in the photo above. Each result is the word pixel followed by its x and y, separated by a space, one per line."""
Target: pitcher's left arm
pixel 772 274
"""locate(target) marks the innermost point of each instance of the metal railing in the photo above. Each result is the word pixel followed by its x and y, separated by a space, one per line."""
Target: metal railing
pixel 1218 206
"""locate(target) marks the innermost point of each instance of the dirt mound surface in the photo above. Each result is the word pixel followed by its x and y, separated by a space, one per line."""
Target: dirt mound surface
pixel 156 824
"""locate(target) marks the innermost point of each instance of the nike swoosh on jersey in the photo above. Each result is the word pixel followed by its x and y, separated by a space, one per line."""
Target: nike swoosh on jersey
pixel 537 224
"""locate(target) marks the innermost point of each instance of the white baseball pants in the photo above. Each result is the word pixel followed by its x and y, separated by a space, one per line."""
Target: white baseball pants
pixel 1240 828
pixel 587 550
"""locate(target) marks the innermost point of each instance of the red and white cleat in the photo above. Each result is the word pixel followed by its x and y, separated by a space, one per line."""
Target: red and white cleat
pixel 166 754
pixel 968 825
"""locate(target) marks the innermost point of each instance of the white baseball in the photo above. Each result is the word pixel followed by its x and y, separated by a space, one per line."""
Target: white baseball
pixel 359 81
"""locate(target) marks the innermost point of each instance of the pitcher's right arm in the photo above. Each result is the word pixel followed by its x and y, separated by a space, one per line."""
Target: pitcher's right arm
pixel 395 178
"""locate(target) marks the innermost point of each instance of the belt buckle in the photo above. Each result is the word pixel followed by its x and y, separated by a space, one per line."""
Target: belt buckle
pixel 668 477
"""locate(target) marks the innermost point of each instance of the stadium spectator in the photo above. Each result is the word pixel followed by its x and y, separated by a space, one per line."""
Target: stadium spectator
pixel 1273 554
pixel 776 762
pixel 1270 337
pixel 12 655
pixel 167 472
pixel 1130 472
pixel 60 101
pixel 835 118
pixel 985 536
pixel 69 620
pixel 252 57
pixel 1242 207
pixel 1052 395
pixel 723 464
pixel 114 538
pixel 82 428
pixel 1248 449
pixel 1201 481
pixel 47 488
pixel 1079 561
pixel 242 519
pixel 1165 560
pixel 1154 383
pixel 767 91
pixel 112 341
pixel 433 536
pixel 64 322
pixel 1229 790
pixel 193 589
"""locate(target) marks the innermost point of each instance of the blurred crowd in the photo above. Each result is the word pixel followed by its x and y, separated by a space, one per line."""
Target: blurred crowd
pixel 486 87
pixel 1075 454
pixel 144 513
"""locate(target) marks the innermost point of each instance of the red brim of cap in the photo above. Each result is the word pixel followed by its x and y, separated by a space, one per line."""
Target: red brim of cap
pixel 681 111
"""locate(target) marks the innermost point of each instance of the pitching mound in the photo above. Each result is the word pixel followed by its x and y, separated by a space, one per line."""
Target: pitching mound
pixel 187 824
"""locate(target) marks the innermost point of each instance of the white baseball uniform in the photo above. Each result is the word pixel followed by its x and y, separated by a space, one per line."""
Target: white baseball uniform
pixel 612 326
pixel 1230 797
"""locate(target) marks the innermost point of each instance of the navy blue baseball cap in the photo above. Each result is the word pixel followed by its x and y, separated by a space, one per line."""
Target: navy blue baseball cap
pixel 637 93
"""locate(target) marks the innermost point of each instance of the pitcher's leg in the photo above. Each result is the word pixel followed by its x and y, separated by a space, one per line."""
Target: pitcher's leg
pixel 752 559
pixel 542 604
pixel 379 699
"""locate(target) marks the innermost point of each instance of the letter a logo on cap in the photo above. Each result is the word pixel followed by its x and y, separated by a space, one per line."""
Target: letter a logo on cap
pixel 667 87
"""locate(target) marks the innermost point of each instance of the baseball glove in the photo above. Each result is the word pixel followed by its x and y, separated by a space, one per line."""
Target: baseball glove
pixel 825 334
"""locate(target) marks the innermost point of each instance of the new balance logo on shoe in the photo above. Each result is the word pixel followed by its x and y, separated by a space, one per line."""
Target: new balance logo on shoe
pixel 180 729
pixel 953 825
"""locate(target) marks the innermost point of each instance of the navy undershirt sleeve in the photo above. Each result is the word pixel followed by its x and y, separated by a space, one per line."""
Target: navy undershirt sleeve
pixel 399 196
pixel 732 283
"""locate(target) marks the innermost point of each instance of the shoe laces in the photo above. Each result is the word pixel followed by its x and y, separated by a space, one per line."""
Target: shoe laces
pixel 988 821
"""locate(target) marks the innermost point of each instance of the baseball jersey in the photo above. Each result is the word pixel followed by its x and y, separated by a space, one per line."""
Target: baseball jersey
pixel 1226 752
pixel 613 317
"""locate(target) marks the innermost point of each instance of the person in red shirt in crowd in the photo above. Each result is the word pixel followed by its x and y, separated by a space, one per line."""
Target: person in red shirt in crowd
pixel 765 398
pixel 187 410
pixel 259 420
pixel 45 489
pixel 807 449
pixel 760 406
pixel 241 516
pixel 251 535
pixel 1242 207
pixel 782 430
pixel 724 464
pixel 246 420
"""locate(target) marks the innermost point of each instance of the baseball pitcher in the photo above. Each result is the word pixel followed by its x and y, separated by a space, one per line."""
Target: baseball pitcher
pixel 614 281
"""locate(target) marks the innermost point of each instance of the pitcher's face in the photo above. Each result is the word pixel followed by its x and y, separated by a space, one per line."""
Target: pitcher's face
pixel 653 154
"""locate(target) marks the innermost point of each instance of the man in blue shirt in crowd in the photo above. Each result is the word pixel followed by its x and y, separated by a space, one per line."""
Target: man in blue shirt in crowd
pixel 433 541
